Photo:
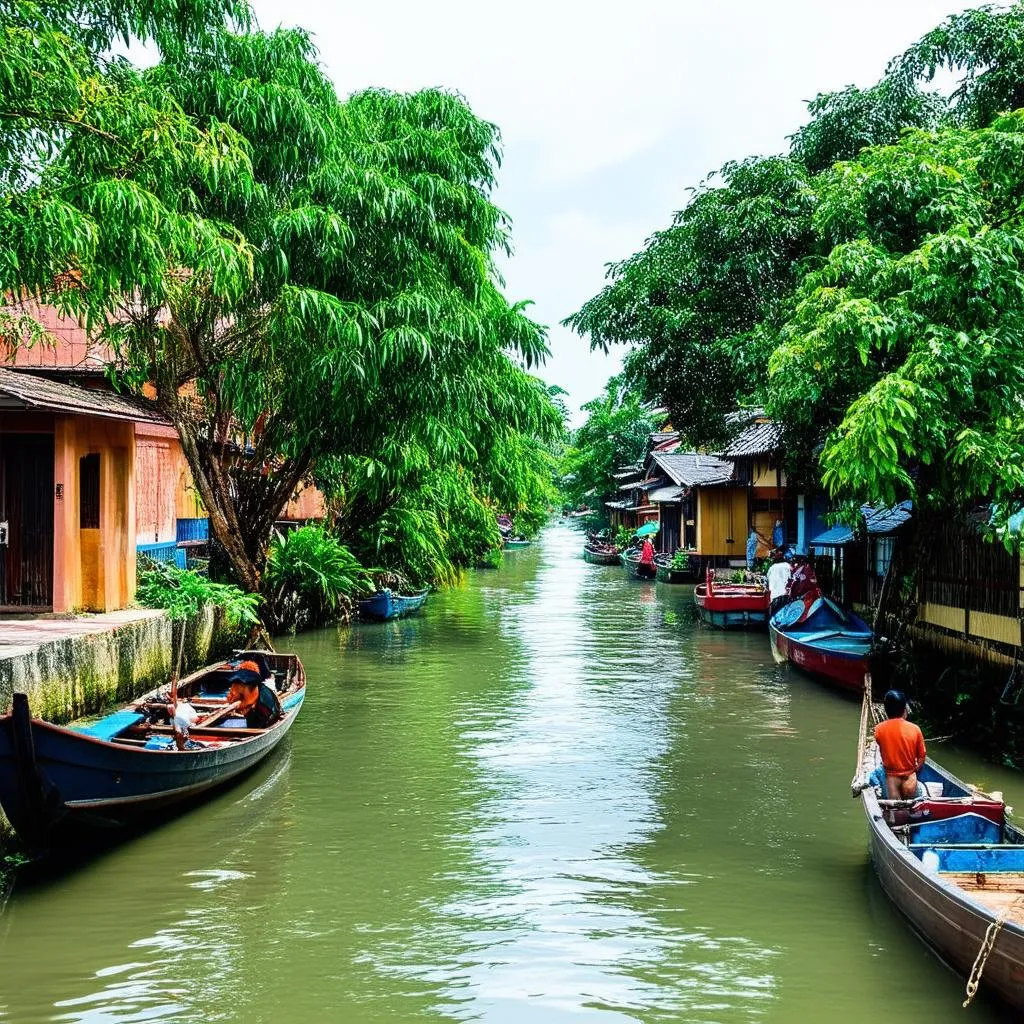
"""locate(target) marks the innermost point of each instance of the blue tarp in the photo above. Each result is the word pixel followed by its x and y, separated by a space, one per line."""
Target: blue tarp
pixel 834 538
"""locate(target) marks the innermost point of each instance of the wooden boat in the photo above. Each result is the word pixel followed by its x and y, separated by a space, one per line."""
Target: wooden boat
pixel 666 574
pixel 600 556
pixel 634 567
pixel 731 605
pixel 954 867
pixel 821 638
pixel 125 767
pixel 387 605
pixel 517 542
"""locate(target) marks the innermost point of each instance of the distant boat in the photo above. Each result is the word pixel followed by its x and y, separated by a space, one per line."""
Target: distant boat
pixel 517 542
pixel 953 866
pixel 124 768
pixel 387 605
pixel 666 574
pixel 731 605
pixel 641 570
pixel 821 638
pixel 601 556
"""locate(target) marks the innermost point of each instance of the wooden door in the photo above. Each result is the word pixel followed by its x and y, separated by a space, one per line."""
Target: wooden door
pixel 26 506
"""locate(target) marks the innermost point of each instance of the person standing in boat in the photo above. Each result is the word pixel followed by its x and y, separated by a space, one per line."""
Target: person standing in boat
pixel 647 552
pixel 901 744
pixel 804 579
pixel 256 700
pixel 778 582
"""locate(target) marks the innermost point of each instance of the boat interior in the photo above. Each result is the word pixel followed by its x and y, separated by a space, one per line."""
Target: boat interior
pixel 147 725
pixel 962 836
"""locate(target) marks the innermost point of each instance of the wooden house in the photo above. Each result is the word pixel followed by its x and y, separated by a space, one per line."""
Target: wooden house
pixel 700 508
pixel 88 478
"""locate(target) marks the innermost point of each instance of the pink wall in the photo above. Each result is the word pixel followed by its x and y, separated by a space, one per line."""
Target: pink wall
pixel 71 348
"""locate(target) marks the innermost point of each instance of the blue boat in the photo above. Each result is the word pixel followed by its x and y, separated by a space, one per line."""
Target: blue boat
pixel 821 638
pixel 125 768
pixel 385 605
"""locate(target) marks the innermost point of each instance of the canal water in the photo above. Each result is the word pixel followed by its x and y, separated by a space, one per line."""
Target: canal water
pixel 553 797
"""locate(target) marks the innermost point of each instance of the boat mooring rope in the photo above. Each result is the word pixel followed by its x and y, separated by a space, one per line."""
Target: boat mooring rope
pixel 862 739
pixel 987 945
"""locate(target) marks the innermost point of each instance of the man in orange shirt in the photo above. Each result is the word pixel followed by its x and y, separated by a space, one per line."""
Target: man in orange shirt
pixel 901 744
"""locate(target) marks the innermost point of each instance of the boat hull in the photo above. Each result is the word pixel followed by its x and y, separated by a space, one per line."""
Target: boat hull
pixel 601 557
pixel 666 574
pixel 514 544
pixel 844 669
pixel 948 920
pixel 384 605
pixel 55 780
pixel 731 611
pixel 637 569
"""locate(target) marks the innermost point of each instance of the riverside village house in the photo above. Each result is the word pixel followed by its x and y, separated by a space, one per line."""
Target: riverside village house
pixel 88 478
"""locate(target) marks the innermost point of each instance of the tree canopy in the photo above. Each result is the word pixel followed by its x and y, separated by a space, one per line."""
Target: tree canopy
pixel 865 287
pixel 308 283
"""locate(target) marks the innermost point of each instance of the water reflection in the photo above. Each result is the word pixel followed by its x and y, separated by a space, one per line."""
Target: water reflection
pixel 553 796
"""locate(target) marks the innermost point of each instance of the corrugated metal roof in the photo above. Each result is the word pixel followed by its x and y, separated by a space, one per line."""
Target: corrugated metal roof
pixel 616 504
pixel 661 495
pixel 19 390
pixel 694 469
pixel 624 473
pixel 887 520
pixel 834 538
pixel 876 521
pixel 756 439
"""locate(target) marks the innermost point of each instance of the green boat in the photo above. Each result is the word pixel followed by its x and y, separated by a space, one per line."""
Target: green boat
pixel 596 556
pixel 666 574
pixel 517 542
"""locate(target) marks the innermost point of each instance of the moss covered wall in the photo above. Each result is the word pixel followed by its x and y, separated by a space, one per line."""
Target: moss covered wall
pixel 83 675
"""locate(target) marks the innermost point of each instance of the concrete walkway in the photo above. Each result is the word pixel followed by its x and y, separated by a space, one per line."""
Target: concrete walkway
pixel 23 636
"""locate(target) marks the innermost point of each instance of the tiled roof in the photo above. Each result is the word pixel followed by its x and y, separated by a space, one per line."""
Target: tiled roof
pixel 694 469
pixel 660 495
pixel 756 439
pixel 19 390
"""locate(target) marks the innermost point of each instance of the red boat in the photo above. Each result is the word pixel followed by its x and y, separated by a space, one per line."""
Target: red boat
pixel 731 605
pixel 818 636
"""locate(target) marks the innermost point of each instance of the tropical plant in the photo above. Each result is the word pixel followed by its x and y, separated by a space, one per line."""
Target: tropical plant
pixel 311 577
pixel 184 593
pixel 310 281
pixel 681 561
pixel 615 434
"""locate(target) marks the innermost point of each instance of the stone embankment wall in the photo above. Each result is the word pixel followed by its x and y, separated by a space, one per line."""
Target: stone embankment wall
pixel 86 673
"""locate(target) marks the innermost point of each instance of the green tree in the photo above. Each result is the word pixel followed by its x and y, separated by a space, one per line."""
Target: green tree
pixel 615 434
pixel 909 338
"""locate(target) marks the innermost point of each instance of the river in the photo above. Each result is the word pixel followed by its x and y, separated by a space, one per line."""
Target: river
pixel 552 797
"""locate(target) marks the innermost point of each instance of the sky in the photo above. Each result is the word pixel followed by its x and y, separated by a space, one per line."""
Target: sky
pixel 609 112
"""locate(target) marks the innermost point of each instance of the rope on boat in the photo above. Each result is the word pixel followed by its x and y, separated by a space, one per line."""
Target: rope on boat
pixel 987 945
pixel 858 783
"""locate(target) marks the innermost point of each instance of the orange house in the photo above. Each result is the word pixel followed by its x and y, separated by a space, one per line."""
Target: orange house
pixel 88 478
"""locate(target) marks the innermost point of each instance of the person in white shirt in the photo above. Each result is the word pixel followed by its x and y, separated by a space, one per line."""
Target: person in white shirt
pixel 778 582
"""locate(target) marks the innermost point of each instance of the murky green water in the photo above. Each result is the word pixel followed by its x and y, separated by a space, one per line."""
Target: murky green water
pixel 551 798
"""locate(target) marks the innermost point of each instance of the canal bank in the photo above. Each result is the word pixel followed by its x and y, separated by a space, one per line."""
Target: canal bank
pixel 550 797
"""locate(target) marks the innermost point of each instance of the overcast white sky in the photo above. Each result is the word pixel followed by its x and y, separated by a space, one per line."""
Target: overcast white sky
pixel 609 111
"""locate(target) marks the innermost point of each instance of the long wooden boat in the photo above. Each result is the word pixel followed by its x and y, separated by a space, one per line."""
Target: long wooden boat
pixel 731 605
pixel 385 604
pixel 954 867
pixel 125 767
pixel 634 567
pixel 821 638
pixel 600 556
pixel 666 574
